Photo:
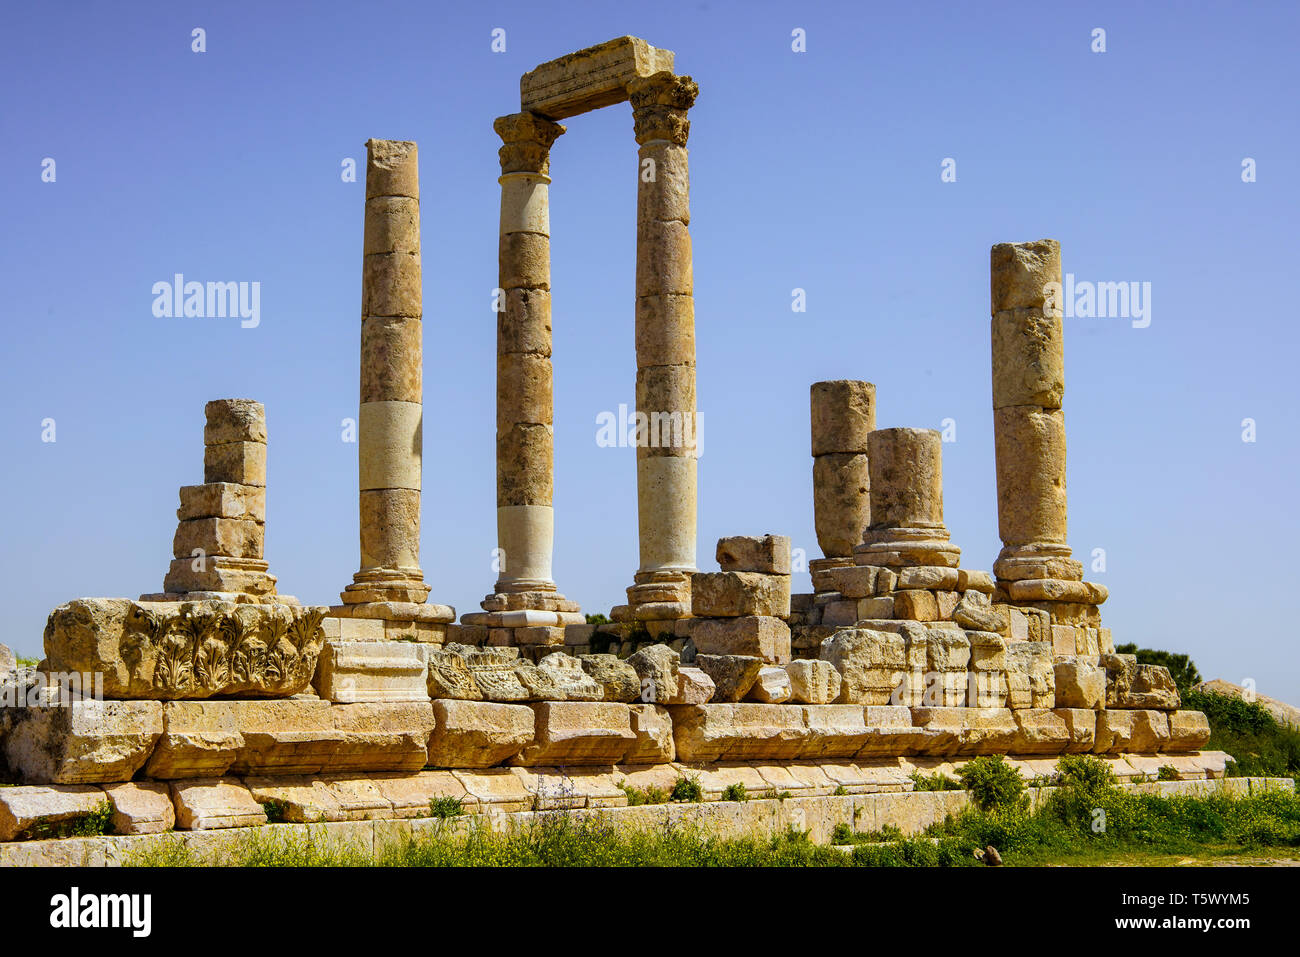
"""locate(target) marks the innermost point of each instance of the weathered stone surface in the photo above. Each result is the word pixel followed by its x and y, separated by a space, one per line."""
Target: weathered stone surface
pixel 1133 685
pixel 222 500
pixel 1080 685
pixel 239 463
pixel 1019 274
pixel 201 649
pixel 1040 731
pixel 579 732
pixel 234 420
pixel 732 675
pixel 769 554
pixel 813 681
pixel 1028 359
pixel 736 594
pixel 657 668
pixel 351 671
pixel 841 501
pixel 916 605
pixel 1188 731
pixel 1030 456
pixel 756 636
pixel 77 741
pixel 906 478
pixel 653 727
pixel 843 415
pixel 870 663
pixel 207 803
pixel 495 671
pixel 201 739
pixel 381 736
pixel 449 676
pixel 695 687
pixel 618 679
pixel 233 537
pixel 571 682
pixel 478 734
pixel 1081 723
pixel 738 732
pixel 1132 730
pixel 24 809
pixel 141 807
pixel 966 730
pixel 977 613
pixel 772 686
pixel 590 78
pixel 1031 674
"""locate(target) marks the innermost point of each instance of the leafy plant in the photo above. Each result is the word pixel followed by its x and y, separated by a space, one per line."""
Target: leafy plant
pixel 735 792
pixel 445 807
pixel 687 790
pixel 993 784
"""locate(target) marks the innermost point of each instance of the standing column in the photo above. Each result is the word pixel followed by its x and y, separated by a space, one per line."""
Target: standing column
pixel 906 502
pixel 667 446
pixel 843 415
pixel 525 432
pixel 391 418
pixel 1028 423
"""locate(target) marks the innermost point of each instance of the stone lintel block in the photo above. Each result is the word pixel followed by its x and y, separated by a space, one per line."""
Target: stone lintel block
pixel 590 78
pixel 843 415
pixel 737 594
pixel 1019 274
pixel 234 420
pixel 757 636
pixel 769 554
pixel 237 463
pixel 228 537
pixel 579 732
pixel 222 500
pixel 351 671
pixel 478 734
pixel 24 807
pixel 206 803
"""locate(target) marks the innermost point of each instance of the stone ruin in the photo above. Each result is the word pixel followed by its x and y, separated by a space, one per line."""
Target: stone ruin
pixel 219 697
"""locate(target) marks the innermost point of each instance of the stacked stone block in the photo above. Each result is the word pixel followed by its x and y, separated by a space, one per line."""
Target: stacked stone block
pixel 220 538
pixel 740 610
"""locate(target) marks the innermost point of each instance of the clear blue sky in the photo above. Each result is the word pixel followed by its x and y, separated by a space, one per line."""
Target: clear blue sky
pixel 818 170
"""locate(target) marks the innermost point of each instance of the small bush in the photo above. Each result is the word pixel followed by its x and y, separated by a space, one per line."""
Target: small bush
pixel 993 784
pixel 597 620
pixel 91 824
pixel 687 790
pixel 636 797
pixel 933 782
pixel 1167 772
pixel 840 790
pixel 445 807
pixel 842 834
pixel 274 811
pixel 735 792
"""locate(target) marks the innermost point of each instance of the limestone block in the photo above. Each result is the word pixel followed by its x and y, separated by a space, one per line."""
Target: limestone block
pixel 663 259
pixel 658 668
pixel 1064 640
pixel 732 675
pixel 524 261
pixel 928 576
pixel 524 472
pixel 1028 359
pixel 988 652
pixel 813 681
pixel 742 553
pixel 23 808
pixel 882 606
pixel 296 736
pixel 237 463
pixel 1029 446
pixel 495 672
pixel 449 676
pixel 666 196
pixel 381 736
pixel 1133 685
pixel 391 351
pixel 206 803
pixel 870 663
pixel 234 420
pixel 841 501
pixel 57 738
pixel 392 168
pixel 1019 274
pixel 737 594
pixel 167 650
pixel 757 636
pixel 200 739
pixel 1137 730
pixel 906 478
pixel 524 390
pixel 390 445
pixel 834 731
pixel 306 799
pixel 840 614
pixel 977 613
pixel 1040 731
pixel 843 415
pixel 916 605
pixel 1081 723
pixel 966 730
pixel 854 581
pixel 665 330
pixel 1033 660
pixel 1188 731
pixel 591 78
pixel 525 323
pixel 695 687
pixel 220 574
pixel 410 794
pixel 653 727
pixel 1079 685
pixel 478 734
pixel 579 732
pixel 390 284
pixel 233 537
pixel 771 686
pixel 351 671
pixel 666 395
pixel 141 807
pixel 618 680
pixel 738 732
pixel 222 500
pixel 392 225
pixel 570 680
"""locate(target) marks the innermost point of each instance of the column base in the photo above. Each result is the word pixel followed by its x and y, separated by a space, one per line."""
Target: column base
pixel 907 546
pixel 528 599
pixel 818 568
pixel 659 595
pixel 1037 560
pixel 402 585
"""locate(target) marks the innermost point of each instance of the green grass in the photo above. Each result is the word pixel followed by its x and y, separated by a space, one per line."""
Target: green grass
pixel 92 824
pixel 27 662
pixel 636 797
pixel 445 807
pixel 933 782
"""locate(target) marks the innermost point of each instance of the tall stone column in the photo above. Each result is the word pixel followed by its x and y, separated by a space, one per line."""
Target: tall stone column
pixel 1035 565
pixel 525 432
pixel 843 416
pixel 665 349
pixel 906 501
pixel 390 425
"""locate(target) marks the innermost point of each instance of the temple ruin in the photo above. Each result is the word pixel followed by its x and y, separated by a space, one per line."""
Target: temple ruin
pixel 220 695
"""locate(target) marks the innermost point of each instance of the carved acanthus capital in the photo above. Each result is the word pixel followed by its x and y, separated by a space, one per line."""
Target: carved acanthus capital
pixel 659 105
pixel 528 138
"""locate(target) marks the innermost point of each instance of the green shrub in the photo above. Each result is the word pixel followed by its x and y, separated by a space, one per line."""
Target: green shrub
pixel 687 790
pixel 275 811
pixel 840 790
pixel 735 792
pixel 597 620
pixel 636 797
pixel 842 834
pixel 445 807
pixel 993 784
pixel 1167 772
pixel 91 824
pixel 933 782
